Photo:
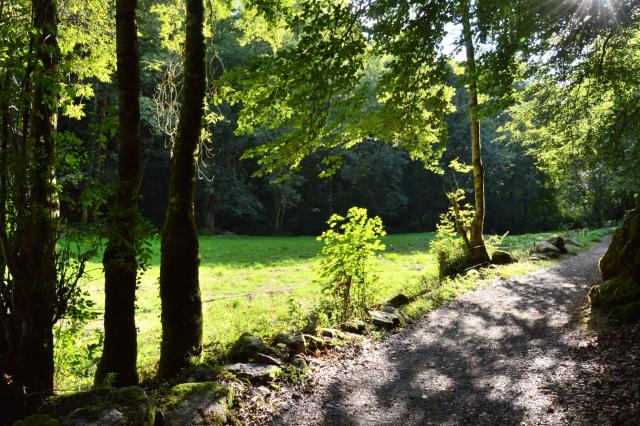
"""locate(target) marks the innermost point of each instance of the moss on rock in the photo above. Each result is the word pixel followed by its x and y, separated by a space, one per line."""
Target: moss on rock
pixel 37 420
pixel 204 403
pixel 620 268
pixel 623 255
pixel 617 291
pixel 129 406
pixel 180 392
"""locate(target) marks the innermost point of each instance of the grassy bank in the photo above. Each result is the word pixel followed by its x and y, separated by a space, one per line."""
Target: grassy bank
pixel 263 284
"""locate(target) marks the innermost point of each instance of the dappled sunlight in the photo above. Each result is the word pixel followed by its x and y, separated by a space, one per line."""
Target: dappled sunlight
pixel 484 358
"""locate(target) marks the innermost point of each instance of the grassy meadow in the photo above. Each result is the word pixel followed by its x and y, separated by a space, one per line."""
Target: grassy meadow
pixel 262 285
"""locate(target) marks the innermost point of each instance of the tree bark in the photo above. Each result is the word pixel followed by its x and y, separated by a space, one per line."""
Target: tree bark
pixel 179 286
pixel 34 269
pixel 478 254
pixel 119 261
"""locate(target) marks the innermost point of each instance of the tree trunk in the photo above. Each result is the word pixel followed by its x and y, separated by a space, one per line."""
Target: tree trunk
pixel 478 253
pixel 34 273
pixel 119 261
pixel 179 286
pixel 210 213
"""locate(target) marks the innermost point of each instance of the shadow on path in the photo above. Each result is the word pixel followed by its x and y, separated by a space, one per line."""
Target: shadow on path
pixel 484 359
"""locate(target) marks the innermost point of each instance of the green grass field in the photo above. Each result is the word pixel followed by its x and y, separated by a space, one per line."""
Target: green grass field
pixel 247 284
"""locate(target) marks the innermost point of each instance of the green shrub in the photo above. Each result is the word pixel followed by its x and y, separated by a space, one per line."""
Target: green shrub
pixel 448 246
pixel 346 265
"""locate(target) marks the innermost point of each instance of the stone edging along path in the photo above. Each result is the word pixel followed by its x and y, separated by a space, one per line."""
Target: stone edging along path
pixel 486 358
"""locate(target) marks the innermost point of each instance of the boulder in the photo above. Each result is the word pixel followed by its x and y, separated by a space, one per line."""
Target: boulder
pixel 398 300
pixel 99 414
pixel 559 243
pixel 104 406
pixel 247 348
pixel 572 242
pixel 500 257
pixel 623 255
pixel 200 374
pixel 294 343
pixel 266 359
pixel 331 333
pixel 300 364
pixel 389 309
pixel 547 248
pixel 620 268
pixel 539 256
pixel 203 403
pixel 384 319
pixel 255 373
pixel 354 326
pixel 314 343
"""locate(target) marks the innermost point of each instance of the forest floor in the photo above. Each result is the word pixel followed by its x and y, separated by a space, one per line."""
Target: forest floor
pixel 518 351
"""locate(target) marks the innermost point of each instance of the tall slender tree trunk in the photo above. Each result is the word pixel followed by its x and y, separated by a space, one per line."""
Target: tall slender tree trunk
pixel 478 253
pixel 4 178
pixel 119 261
pixel 179 286
pixel 210 213
pixel 34 269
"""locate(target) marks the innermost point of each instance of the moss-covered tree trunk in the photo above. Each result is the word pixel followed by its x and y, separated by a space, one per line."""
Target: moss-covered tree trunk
pixel 478 254
pixel 119 261
pixel 179 286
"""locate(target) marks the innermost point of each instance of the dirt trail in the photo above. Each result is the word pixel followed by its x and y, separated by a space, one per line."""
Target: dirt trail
pixel 485 359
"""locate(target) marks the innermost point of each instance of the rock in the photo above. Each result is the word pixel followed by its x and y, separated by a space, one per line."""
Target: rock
pixel 620 268
pixel 331 333
pixel 99 414
pixel 547 248
pixel 501 258
pixel 247 347
pixel 539 256
pixel 354 326
pixel 203 403
pixel 293 343
pixel 472 273
pixel 314 343
pixel 384 319
pixel 300 364
pixel 200 374
pixel 398 300
pixel 571 242
pixel 623 255
pixel 559 243
pixel 389 309
pixel 617 291
pixel 37 420
pixel 266 359
pixel 256 373
pixel 104 406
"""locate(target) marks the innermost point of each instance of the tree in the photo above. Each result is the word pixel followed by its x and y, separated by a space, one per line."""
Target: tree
pixel 377 69
pixel 33 263
pixel 577 122
pixel 478 250
pixel 120 257
pixel 179 285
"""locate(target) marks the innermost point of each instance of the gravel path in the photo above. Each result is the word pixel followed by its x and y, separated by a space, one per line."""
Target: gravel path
pixel 485 359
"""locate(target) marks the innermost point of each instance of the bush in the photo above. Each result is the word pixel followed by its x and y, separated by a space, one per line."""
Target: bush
pixel 345 264
pixel 448 245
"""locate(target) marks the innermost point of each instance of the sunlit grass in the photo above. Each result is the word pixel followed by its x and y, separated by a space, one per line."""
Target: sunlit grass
pixel 247 282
